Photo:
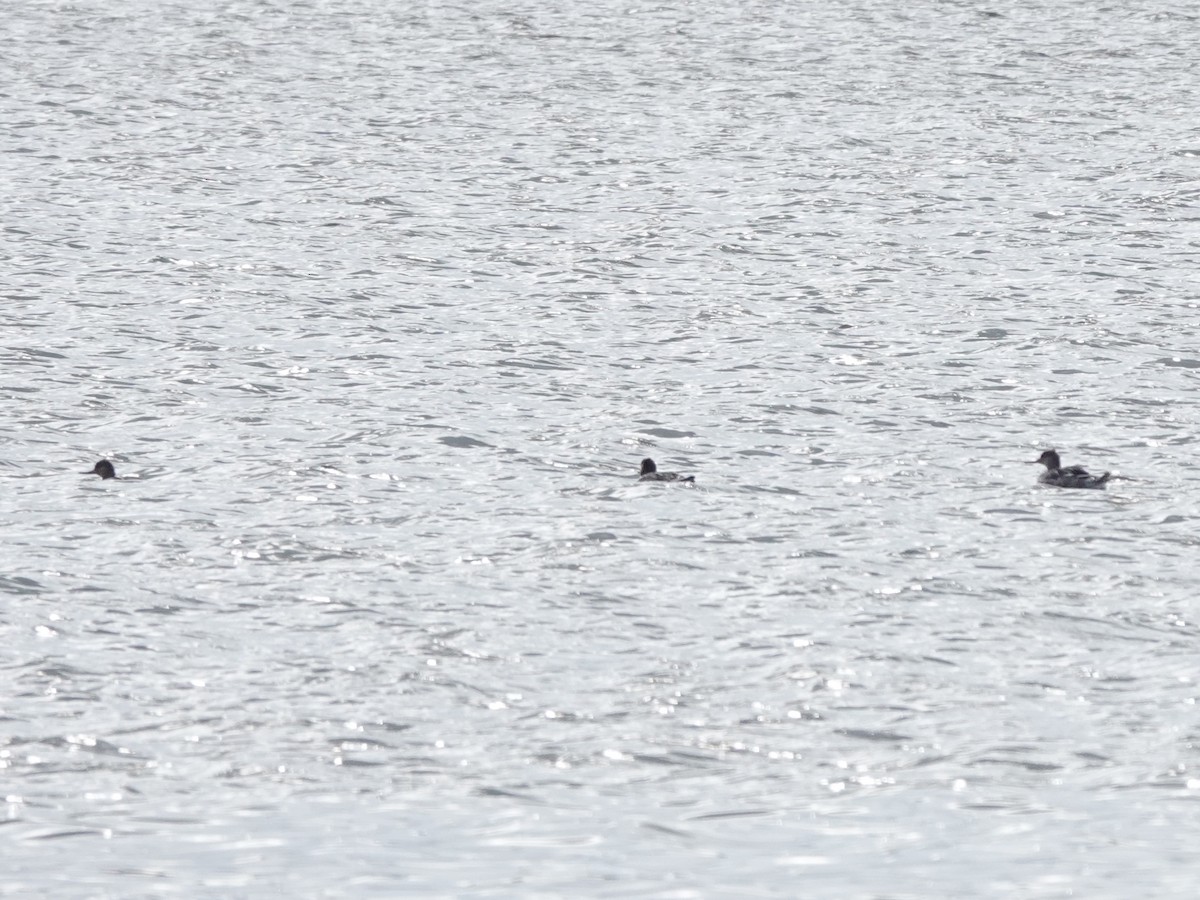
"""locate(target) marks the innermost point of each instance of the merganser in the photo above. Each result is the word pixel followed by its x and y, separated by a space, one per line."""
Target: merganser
pixel 650 473
pixel 104 469
pixel 1071 476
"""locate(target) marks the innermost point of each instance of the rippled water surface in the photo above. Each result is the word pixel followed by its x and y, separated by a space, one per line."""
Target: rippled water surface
pixel 377 307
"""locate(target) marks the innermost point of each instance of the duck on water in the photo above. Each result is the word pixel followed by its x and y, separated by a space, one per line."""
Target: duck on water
pixel 1070 476
pixel 650 473
pixel 104 469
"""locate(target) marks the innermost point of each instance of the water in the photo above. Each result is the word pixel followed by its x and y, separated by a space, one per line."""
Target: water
pixel 378 308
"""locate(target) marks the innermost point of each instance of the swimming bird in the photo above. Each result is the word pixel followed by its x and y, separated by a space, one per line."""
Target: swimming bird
pixel 104 469
pixel 650 473
pixel 1069 477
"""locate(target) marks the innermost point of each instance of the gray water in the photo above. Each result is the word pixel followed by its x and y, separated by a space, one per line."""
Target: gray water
pixel 378 306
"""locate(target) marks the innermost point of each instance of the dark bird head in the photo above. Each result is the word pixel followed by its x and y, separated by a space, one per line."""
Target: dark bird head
pixel 1050 460
pixel 648 466
pixel 104 469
